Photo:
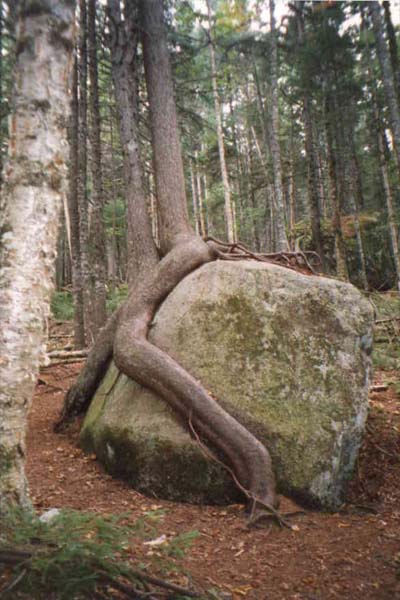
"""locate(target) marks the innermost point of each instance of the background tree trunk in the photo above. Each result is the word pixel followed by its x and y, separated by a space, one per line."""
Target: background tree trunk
pixel 281 241
pixel 96 229
pixel 313 199
pixel 340 250
pixel 391 34
pixel 82 176
pixel 387 78
pixel 73 209
pixel 229 212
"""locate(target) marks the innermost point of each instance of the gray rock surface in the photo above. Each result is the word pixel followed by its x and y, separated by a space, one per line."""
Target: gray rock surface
pixel 287 354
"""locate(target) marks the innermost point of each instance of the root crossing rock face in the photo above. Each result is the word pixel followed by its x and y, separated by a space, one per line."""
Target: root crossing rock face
pixel 287 355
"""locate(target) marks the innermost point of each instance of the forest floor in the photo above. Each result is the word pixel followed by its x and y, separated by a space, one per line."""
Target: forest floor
pixel 354 553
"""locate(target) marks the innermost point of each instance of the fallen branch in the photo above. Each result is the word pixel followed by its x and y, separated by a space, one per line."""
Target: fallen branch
pixel 14 582
pixel 387 320
pixel 165 584
pixel 22 557
pixel 66 361
pixel 42 381
pixel 68 353
pixel 378 388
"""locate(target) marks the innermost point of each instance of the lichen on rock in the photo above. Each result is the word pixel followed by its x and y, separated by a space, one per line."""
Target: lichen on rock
pixel 286 354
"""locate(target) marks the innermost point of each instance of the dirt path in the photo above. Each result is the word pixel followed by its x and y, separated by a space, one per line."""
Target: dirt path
pixel 352 554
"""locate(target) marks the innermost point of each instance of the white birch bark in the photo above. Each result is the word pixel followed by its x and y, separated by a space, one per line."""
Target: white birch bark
pixel 35 184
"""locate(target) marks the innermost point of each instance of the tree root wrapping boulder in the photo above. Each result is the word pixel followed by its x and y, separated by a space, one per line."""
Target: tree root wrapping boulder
pixel 287 354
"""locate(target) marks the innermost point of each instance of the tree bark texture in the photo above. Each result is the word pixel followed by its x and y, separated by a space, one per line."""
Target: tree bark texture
pixel 1 92
pixel 97 234
pixel 125 337
pixel 167 155
pixel 35 182
pixel 83 204
pixel 142 251
pixel 73 210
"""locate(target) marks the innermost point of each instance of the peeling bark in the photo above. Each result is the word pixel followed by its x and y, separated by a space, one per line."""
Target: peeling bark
pixel 35 182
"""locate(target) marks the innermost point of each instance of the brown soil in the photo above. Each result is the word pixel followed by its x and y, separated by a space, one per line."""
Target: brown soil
pixel 354 553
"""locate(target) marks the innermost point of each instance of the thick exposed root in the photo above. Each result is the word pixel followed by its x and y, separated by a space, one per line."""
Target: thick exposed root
pixel 292 260
pixel 249 461
pixel 143 362
pixel 81 393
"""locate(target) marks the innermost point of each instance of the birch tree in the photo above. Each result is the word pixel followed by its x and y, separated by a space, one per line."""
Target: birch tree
pixel 34 184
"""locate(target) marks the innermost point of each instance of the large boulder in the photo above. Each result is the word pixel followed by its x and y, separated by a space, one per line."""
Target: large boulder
pixel 287 354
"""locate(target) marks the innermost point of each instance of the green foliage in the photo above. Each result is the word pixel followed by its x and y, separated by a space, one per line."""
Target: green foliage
pixel 69 554
pixel 177 547
pixel 116 296
pixel 62 307
pixel 76 554
pixel 114 218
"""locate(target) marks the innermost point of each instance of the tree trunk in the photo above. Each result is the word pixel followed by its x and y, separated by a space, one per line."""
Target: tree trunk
pixel 193 187
pixel 96 229
pixel 391 34
pixel 281 241
pixel 229 211
pixel 142 252
pixel 73 210
pixel 83 203
pixel 393 229
pixel 1 93
pixel 355 199
pixel 340 249
pixel 203 228
pixel 35 181
pixel 133 354
pixel 313 199
pixel 387 78
pixel 292 189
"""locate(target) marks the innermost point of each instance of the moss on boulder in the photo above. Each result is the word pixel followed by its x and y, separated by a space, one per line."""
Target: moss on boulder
pixel 287 354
